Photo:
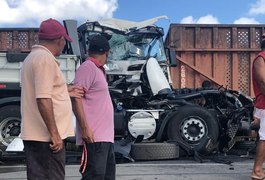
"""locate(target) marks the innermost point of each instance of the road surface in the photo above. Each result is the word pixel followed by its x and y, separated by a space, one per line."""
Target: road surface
pixel 188 169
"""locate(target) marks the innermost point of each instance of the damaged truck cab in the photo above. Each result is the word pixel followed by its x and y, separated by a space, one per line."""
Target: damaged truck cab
pixel 147 108
pixel 152 120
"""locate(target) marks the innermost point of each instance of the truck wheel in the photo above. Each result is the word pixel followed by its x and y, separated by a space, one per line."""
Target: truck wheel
pixel 10 119
pixel 194 126
pixel 154 151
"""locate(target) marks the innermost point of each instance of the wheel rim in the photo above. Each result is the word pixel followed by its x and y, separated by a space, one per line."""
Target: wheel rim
pixel 9 130
pixel 193 129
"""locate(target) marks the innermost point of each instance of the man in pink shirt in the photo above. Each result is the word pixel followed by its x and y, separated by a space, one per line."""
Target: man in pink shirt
pixel 94 114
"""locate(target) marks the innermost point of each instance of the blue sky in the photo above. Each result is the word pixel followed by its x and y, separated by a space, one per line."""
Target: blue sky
pixel 29 13
pixel 222 11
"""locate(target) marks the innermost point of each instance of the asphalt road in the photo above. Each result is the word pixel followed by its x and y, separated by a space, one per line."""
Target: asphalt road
pixel 223 168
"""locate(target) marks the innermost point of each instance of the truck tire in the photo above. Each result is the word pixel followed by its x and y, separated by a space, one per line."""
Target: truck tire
pixel 194 126
pixel 10 120
pixel 154 151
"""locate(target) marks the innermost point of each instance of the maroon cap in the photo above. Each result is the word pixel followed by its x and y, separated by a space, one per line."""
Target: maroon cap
pixel 52 29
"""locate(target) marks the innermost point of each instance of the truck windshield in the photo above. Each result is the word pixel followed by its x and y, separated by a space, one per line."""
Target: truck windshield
pixel 136 46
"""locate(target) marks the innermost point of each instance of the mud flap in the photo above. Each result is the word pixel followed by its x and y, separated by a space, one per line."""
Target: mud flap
pixel 123 147
pixel 16 145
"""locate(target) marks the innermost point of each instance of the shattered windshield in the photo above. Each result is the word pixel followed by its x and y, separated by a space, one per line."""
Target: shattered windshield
pixel 136 46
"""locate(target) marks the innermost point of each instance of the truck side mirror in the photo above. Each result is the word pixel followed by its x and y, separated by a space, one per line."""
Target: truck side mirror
pixel 71 27
pixel 171 54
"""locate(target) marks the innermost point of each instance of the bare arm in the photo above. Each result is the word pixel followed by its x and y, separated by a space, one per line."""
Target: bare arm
pixel 87 134
pixel 46 110
pixel 259 72
pixel 75 91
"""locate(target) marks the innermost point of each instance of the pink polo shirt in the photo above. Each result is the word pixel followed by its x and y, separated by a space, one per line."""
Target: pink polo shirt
pixel 97 103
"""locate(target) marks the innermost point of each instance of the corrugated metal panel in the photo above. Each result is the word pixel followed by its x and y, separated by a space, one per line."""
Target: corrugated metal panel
pixel 19 40
pixel 220 53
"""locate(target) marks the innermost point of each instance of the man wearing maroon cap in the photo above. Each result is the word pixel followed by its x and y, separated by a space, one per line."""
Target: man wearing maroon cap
pixel 45 105
pixel 94 114
pixel 258 77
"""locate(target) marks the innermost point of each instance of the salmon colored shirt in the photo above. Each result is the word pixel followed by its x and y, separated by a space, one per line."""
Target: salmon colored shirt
pixel 41 77
pixel 97 103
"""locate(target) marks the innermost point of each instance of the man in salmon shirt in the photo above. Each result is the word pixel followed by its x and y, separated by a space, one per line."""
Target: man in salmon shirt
pixel 94 114
pixel 45 105
pixel 258 77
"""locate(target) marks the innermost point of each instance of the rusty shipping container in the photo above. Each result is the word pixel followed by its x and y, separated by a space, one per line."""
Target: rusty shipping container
pixel 18 39
pixel 222 54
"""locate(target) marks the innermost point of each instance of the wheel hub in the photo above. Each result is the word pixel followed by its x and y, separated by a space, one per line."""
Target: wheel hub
pixel 14 131
pixel 193 129
pixel 10 129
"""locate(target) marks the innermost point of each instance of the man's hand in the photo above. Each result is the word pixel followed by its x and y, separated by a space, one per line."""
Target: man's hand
pixel 57 143
pixel 45 107
pixel 76 91
pixel 87 135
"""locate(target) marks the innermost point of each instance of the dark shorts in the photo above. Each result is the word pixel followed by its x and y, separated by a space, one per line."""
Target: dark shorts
pixel 100 162
pixel 42 163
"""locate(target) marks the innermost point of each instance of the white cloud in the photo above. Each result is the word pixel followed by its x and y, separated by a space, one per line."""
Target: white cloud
pixel 32 12
pixel 209 19
pixel 188 20
pixel 245 20
pixel 257 8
